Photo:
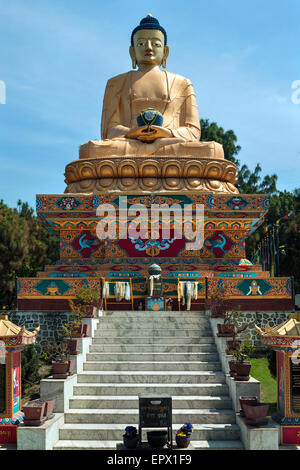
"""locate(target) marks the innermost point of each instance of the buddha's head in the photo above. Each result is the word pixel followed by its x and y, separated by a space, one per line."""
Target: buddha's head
pixel 149 43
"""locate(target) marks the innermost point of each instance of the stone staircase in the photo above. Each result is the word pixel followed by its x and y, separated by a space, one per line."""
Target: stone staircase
pixel 135 353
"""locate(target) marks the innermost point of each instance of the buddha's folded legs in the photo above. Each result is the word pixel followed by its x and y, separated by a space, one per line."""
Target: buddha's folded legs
pixel 164 146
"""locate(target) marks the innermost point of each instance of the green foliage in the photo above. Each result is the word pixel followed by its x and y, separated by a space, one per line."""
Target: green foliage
pixel 30 363
pixel 56 351
pixel 281 202
pixel 249 182
pixel 25 248
pixel 271 357
pixel 243 351
pixel 88 296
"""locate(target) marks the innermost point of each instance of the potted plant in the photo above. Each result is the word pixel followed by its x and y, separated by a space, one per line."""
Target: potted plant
pixel 217 304
pixel 74 328
pixel 251 400
pixel 256 414
pixel 241 366
pixel 57 353
pixel 157 439
pixel 232 368
pixel 49 408
pixel 226 329
pixel 34 411
pixel 130 438
pixel 183 435
pixel 234 344
pixel 89 301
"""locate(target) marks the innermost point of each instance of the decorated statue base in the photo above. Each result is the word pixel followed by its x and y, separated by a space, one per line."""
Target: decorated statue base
pixel 219 266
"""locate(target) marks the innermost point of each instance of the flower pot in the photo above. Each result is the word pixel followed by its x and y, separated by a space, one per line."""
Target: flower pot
pixel 130 442
pixel 225 330
pixel 183 441
pixel 242 371
pixel 82 331
pixel 73 346
pixel 247 401
pixel 34 410
pixel 157 439
pixel 256 415
pixel 49 407
pixel 89 311
pixel 232 369
pixel 60 367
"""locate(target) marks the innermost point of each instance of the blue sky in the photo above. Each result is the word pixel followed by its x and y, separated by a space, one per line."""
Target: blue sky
pixel 56 56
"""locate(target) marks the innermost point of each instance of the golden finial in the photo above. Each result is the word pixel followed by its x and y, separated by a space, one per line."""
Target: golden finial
pixel 149 14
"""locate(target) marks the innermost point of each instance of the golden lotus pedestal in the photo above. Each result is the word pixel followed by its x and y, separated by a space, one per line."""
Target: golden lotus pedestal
pixel 154 173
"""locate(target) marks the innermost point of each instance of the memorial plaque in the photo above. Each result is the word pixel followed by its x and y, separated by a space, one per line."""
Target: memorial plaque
pixel 295 387
pixel 155 412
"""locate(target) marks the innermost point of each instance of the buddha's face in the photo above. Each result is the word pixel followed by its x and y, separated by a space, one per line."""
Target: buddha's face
pixel 149 47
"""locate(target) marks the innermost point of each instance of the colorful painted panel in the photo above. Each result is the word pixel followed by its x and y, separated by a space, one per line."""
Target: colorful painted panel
pixel 32 288
pixel 155 304
pixel 16 382
pixel 273 288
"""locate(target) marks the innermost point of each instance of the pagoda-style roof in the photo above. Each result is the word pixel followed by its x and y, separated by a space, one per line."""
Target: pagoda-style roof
pixel 15 336
pixel 285 336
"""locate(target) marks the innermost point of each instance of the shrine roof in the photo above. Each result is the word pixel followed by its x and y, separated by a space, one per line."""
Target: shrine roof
pixel 8 329
pixel 289 327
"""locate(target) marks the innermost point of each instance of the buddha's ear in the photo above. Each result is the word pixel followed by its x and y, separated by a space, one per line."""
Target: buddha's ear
pixel 132 55
pixel 166 55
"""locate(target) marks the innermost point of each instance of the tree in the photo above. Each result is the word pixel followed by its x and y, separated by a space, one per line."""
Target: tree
pixel 249 182
pixel 212 132
pixel 25 248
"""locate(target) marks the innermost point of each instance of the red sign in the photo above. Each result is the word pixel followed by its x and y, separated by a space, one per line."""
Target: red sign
pixel 291 435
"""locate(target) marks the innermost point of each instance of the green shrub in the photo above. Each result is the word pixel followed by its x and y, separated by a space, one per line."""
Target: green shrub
pixel 30 366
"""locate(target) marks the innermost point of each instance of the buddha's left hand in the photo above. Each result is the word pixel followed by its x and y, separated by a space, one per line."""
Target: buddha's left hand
pixel 157 132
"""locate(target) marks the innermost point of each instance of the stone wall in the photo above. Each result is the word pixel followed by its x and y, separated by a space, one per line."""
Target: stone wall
pixel 49 322
pixel 261 319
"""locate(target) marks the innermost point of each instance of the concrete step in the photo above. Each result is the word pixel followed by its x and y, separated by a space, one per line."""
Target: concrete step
pixel 153 339
pixel 100 432
pixel 155 357
pixel 131 416
pixel 132 402
pixel 151 332
pixel 116 389
pixel 115 445
pixel 150 366
pixel 140 377
pixel 152 348
pixel 166 314
pixel 123 324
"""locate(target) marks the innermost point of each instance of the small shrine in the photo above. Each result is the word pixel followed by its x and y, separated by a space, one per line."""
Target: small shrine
pixel 285 340
pixel 13 339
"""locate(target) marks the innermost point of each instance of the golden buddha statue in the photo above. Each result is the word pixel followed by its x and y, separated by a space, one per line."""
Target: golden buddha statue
pixel 178 160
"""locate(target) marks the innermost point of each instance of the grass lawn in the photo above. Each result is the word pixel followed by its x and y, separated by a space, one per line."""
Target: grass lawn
pixel 260 371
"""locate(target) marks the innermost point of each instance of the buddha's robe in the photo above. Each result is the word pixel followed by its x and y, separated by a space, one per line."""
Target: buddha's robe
pixel 128 94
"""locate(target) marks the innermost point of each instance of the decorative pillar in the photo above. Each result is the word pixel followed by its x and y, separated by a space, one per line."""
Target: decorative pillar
pixel 13 339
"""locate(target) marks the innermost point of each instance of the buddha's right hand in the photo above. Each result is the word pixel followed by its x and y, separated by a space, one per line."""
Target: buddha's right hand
pixel 136 132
